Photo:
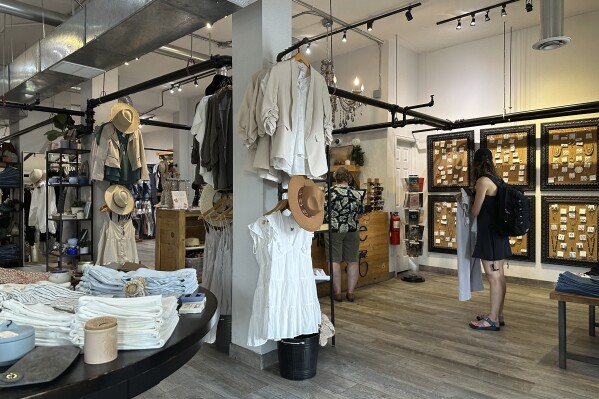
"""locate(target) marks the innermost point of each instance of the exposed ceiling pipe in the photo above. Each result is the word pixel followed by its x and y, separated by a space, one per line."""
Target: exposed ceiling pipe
pixel 32 13
pixel 552 26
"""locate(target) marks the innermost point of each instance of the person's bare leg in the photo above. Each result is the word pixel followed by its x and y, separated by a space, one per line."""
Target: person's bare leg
pixel 336 279
pixel 495 277
pixel 352 276
pixel 504 286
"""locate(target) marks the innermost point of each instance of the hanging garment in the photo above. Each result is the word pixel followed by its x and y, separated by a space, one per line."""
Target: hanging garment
pixel 9 177
pixel 107 152
pixel 470 278
pixel 285 301
pixel 117 242
pixel 216 153
pixel 198 131
pixel 37 210
pixel 279 115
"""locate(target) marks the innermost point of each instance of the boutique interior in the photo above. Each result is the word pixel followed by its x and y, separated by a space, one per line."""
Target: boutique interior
pixel 165 215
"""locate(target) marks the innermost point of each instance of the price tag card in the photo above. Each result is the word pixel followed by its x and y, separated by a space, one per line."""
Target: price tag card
pixel 580 227
pixel 583 237
pixel 521 173
pixel 573 255
pixel 439 181
pixel 560 178
pixel 513 167
pixel 590 229
pixel 506 158
pixel 555 137
pixel 465 169
pixel 565 160
pixel 499 162
pixel 579 245
pixel 515 155
pixel 506 136
pixel 512 146
pixel 461 179
pixel 571 235
pixel 498 148
pixel 455 156
pixel 564 169
pixel 572 215
pixel 436 233
pixel 461 149
pixel 444 157
pixel 450 244
pixel 563 227
pixel 442 233
pixel 583 254
pixel 582 211
pixel 560 254
pixel 554 227
pixel 593 177
pixel 500 141
pixel 563 245
pixel 561 237
pixel 589 135
pixel 563 219
pixel 523 250
pixel 554 166
pixel 506 174
pixel 563 211
pixel 512 140
pixel 497 155
pixel 436 152
pixel 437 241
pixel 583 219
pixel 520 178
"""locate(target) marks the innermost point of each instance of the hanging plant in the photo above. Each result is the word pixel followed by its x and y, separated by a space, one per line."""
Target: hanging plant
pixel 63 123
pixel 357 154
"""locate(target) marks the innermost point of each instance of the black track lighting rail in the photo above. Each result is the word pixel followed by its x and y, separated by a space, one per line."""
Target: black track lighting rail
pixel 343 29
pixel 474 12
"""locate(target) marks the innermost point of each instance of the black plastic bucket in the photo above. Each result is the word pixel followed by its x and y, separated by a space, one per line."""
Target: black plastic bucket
pixel 223 333
pixel 298 357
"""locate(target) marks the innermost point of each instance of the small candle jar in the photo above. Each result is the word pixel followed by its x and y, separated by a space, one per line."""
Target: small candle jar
pixel 100 340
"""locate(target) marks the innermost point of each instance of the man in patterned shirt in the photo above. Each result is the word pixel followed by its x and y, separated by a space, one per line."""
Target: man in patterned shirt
pixel 346 208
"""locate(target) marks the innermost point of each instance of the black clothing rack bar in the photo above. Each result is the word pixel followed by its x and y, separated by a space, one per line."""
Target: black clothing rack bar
pixel 215 62
pixel 26 130
pixel 151 122
pixel 41 108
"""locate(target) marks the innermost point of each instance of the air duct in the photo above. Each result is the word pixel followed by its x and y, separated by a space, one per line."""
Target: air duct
pixel 31 12
pixel 552 26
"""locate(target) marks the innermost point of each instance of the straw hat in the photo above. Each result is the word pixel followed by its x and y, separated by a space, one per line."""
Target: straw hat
pixel 306 201
pixel 124 118
pixel 36 175
pixel 192 242
pixel 206 202
pixel 119 199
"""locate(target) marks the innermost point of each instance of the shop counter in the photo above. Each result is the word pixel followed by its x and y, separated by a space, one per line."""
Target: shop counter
pixel 134 371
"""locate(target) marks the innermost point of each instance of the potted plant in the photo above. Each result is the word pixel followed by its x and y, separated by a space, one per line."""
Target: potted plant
pixel 77 206
pixel 83 246
pixel 357 154
pixel 64 126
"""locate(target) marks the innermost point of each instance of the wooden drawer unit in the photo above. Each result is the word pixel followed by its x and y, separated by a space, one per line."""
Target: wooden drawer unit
pixel 172 228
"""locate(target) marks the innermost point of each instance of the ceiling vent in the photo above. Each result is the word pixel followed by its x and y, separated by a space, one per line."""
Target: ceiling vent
pixel 552 26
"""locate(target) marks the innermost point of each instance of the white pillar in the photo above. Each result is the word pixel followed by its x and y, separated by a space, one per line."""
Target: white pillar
pixel 260 31
pixel 182 143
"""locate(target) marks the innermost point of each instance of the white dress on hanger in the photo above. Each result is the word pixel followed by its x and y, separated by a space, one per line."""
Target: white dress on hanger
pixel 285 301
pixel 470 278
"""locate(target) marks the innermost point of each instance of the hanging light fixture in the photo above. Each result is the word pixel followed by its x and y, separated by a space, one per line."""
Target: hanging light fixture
pixel 195 82
pixel 503 12
pixel 369 25
pixel 208 25
pixel 179 87
pixel 487 19
pixel 409 15
pixel 459 25
pixel 528 5
pixel 344 38
pixel 473 22
pixel 308 49
pixel 172 90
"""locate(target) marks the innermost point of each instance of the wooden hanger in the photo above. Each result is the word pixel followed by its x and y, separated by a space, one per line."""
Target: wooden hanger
pixel 280 206
pixel 300 57
pixel 104 208
pixel 218 205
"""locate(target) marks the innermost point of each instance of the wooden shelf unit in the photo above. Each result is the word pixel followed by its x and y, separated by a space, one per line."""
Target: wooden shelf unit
pixel 173 226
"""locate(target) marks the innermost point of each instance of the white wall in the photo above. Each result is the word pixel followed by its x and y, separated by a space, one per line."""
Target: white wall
pixel 162 139
pixel 467 81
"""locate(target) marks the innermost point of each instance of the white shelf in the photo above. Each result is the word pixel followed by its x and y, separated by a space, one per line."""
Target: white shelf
pixel 322 278
pixel 194 248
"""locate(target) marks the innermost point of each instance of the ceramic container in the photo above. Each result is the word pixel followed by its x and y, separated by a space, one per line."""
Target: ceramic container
pixel 100 340
pixel 59 276
pixel 72 242
pixel 73 180
pixel 15 342
pixel 71 251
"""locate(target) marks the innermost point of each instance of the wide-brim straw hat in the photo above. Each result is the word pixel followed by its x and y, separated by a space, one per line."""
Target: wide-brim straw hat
pixel 192 242
pixel 306 202
pixel 119 199
pixel 124 118
pixel 36 175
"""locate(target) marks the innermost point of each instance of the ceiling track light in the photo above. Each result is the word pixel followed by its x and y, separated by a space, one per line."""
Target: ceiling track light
pixel 172 90
pixel 369 25
pixel 195 82
pixel 503 12
pixel 344 38
pixel 487 19
pixel 126 63
pixel 179 87
pixel 473 22
pixel 409 15
pixel 459 25
pixel 484 11
pixel 208 25
pixel 308 51
pixel 528 5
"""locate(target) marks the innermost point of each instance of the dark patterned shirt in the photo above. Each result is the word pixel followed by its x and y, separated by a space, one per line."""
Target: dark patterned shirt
pixel 346 208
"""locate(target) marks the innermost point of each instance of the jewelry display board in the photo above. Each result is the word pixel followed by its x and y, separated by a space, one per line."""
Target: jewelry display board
pixel 523 247
pixel 570 230
pixel 442 211
pixel 569 155
pixel 514 153
pixel 449 160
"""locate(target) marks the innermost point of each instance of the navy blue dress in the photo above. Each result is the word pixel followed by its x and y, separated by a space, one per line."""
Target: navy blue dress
pixel 489 244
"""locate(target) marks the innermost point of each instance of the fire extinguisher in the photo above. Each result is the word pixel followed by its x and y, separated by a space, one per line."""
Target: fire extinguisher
pixel 394 229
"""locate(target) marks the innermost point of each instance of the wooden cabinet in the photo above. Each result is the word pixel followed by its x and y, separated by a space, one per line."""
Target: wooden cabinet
pixel 172 228
pixel 374 267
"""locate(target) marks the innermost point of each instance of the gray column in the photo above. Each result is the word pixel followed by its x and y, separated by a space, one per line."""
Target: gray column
pixel 260 31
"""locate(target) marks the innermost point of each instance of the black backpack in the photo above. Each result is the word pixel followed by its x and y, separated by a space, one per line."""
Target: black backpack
pixel 513 209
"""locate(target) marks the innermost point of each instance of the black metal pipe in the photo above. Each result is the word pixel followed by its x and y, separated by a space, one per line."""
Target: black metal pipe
pixel 215 62
pixel 375 126
pixel 576 109
pixel 150 122
pixel 41 108
pixel 26 130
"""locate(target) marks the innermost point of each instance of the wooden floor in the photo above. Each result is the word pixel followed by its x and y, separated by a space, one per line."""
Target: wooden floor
pixel 402 340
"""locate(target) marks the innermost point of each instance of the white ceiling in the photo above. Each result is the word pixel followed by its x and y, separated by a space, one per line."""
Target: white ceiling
pixel 420 35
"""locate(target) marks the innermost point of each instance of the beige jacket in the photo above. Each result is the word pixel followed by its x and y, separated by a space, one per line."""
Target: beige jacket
pixel 107 153
pixel 276 115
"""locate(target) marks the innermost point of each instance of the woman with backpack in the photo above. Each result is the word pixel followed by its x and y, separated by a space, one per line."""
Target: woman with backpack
pixel 491 247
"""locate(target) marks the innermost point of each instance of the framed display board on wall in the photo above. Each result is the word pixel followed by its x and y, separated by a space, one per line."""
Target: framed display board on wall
pixel 569 155
pixel 570 230
pixel 442 211
pixel 449 160
pixel 514 153
pixel 523 247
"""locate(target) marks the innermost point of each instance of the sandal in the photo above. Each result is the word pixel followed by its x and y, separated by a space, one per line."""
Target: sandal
pixel 338 298
pixel 484 316
pixel 350 297
pixel 479 325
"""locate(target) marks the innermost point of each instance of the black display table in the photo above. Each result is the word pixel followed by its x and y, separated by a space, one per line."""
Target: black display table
pixel 133 372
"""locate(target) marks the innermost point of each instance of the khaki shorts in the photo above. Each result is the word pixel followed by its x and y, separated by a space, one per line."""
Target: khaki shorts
pixel 346 246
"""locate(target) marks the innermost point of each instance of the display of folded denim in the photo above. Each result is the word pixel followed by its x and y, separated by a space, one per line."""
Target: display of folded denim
pixel 580 284
pixel 142 322
pixel 100 280
pixel 51 327
pixel 56 296
pixel 10 276
pixel 9 177
pixel 9 252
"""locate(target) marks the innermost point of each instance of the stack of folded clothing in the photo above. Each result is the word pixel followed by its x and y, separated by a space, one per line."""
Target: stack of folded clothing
pixel 100 280
pixel 46 293
pixel 142 323
pixel 51 327
pixel 579 283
